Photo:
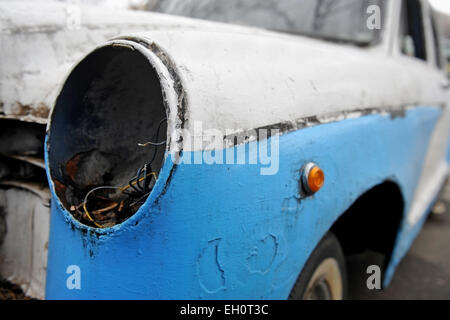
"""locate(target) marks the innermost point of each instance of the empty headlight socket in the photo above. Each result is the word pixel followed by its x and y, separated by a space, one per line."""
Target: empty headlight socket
pixel 108 131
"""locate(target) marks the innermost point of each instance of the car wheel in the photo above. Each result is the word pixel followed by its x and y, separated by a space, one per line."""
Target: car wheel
pixel 324 274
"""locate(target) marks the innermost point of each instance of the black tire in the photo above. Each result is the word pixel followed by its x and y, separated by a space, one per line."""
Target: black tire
pixel 327 265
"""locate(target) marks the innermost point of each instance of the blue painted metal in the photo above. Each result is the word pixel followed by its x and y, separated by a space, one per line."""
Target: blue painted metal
pixel 225 231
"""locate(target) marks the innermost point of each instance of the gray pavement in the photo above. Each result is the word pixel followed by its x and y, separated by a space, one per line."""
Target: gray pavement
pixel 424 273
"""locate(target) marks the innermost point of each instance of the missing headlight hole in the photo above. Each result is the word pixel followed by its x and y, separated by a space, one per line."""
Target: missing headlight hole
pixel 107 136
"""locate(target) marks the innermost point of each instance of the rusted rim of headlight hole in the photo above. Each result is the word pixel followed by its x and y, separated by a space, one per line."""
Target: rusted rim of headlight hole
pixel 117 97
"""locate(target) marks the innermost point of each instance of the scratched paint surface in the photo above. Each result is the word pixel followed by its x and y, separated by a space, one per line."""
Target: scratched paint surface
pixel 225 231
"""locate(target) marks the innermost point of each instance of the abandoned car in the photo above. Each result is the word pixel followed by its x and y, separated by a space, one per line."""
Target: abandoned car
pixel 248 156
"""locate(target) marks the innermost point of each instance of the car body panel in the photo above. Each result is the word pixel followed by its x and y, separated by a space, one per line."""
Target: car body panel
pixel 208 235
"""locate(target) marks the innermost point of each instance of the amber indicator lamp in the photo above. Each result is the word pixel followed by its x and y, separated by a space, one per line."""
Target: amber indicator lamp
pixel 313 178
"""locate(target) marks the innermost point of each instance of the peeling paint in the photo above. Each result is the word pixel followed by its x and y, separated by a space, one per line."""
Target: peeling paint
pixel 246 136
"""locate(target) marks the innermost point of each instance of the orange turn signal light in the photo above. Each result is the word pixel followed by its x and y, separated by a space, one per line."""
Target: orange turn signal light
pixel 316 178
pixel 313 178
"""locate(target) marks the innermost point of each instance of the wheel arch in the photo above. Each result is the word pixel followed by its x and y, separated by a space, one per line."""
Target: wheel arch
pixel 372 222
